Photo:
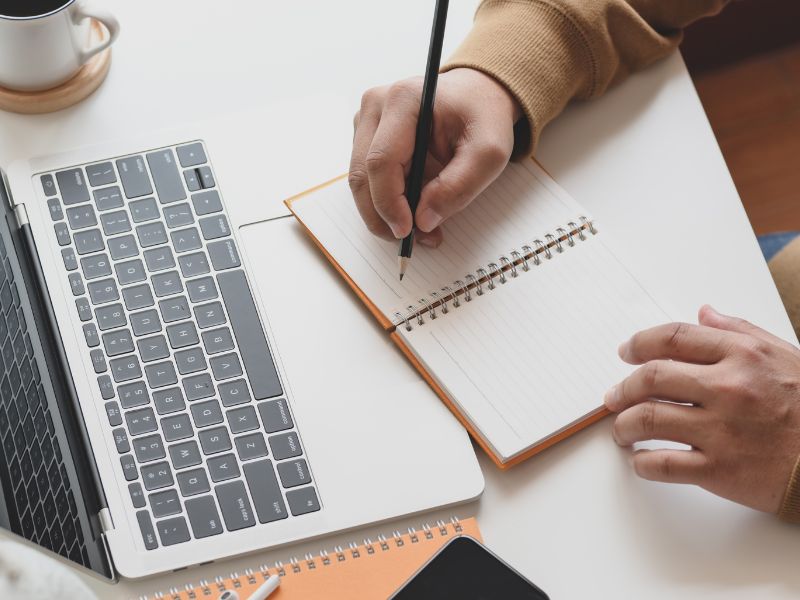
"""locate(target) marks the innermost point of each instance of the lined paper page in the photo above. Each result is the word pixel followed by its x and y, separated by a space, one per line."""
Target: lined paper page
pixel 523 204
pixel 534 355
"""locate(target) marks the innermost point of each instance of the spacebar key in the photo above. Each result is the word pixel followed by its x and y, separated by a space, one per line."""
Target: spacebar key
pixel 249 335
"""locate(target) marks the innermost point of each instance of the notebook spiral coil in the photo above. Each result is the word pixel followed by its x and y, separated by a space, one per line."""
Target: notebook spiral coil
pixel 205 589
pixel 496 273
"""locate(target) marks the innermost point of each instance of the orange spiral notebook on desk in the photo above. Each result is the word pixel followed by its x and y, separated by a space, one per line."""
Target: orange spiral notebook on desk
pixel 372 570
pixel 514 320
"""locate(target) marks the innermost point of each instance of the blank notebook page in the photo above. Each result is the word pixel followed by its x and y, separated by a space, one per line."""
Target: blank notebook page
pixel 522 205
pixel 536 354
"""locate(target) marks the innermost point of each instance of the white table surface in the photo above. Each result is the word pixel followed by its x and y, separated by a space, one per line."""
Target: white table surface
pixel 644 162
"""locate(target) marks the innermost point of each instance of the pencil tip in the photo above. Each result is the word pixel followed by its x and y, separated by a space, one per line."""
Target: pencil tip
pixel 401 276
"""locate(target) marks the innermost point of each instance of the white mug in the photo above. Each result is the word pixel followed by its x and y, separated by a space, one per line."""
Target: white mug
pixel 41 51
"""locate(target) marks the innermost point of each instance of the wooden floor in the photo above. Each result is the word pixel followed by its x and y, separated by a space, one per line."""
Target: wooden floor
pixel 754 109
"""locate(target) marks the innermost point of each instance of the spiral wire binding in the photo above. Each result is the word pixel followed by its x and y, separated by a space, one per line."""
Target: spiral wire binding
pixel 496 272
pixel 212 589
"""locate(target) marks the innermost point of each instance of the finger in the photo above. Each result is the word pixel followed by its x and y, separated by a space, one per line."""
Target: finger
pixel 678 341
pixel 653 420
pixel 671 466
pixel 662 379
pixel 431 239
pixel 473 167
pixel 710 317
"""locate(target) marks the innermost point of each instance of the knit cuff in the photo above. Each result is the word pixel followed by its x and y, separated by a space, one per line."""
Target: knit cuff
pixel 790 507
pixel 537 52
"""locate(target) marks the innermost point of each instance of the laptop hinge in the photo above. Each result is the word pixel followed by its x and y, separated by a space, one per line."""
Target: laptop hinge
pixel 106 522
pixel 21 215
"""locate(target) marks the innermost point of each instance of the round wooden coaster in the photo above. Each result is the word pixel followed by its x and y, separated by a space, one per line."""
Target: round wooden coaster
pixel 86 81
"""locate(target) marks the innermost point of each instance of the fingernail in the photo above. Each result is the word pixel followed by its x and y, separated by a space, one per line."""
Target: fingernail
pixel 428 220
pixel 623 349
pixel 396 231
pixel 610 397
pixel 425 241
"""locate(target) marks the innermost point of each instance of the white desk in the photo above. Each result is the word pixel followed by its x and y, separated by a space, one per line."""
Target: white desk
pixel 643 160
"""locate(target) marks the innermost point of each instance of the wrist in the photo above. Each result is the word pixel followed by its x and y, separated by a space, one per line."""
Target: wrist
pixel 494 91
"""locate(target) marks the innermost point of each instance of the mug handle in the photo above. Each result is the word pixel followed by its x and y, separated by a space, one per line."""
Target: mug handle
pixel 84 11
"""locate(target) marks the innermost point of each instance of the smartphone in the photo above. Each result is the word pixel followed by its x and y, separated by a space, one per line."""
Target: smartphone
pixel 464 569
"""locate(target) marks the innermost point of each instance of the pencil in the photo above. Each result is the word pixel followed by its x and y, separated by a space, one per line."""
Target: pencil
pixel 424 125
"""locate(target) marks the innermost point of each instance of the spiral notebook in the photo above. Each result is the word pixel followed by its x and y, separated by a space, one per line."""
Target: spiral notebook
pixel 514 320
pixel 371 570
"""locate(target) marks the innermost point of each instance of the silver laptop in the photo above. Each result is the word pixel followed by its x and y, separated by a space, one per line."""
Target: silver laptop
pixel 148 421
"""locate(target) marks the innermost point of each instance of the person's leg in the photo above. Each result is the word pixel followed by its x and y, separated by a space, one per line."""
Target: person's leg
pixel 772 243
pixel 784 264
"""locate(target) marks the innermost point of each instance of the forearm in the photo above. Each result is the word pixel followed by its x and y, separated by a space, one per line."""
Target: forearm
pixel 549 52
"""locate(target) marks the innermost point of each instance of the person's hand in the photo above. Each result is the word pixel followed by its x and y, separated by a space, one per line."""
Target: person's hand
pixel 725 387
pixel 471 142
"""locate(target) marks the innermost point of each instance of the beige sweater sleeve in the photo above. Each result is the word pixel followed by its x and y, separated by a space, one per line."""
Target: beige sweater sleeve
pixel 549 52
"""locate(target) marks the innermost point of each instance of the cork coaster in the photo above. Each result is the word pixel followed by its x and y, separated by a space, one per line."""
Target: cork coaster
pixel 85 81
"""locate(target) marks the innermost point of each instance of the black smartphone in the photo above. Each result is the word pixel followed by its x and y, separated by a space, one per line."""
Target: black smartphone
pixel 464 569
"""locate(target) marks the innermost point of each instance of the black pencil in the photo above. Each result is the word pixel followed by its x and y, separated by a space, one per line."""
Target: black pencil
pixel 424 124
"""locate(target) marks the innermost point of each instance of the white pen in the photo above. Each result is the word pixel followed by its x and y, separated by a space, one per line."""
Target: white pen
pixel 264 591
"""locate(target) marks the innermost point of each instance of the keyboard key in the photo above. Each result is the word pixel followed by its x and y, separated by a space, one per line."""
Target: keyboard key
pixel 121 440
pixel 125 369
pixel 178 215
pixel 185 240
pixel 129 272
pixel 62 234
pixel 129 467
pixel 193 265
pixel 285 445
pixel 54 208
pixel 101 174
pixel 214 227
pixel 157 476
pixel 98 360
pixel 141 421
pixel 91 335
pixel 165 176
pixel 169 400
pixel 123 246
pixel 275 415
pixel 191 155
pixel 144 210
pixel 209 315
pixel 151 234
pixel 190 361
pixel 146 528
pixel 214 441
pixel 216 340
pixel 251 446
pixel 161 374
pixel 81 217
pixel 185 455
pixel 302 501
pixel 164 504
pixel 242 419
pixel 226 366
pixel 133 394
pixel 153 348
pixel 223 255
pixel 138 296
pixel 48 185
pixel 106 387
pixel 174 309
pixel 192 178
pixel 198 387
pixel 103 291
pixel 148 448
pixel 182 335
pixel 73 186
pixel 266 494
pixel 203 517
pixel 206 177
pixel 234 392
pixel 206 203
pixel 166 284
pixel 137 495
pixel 145 322
pixel 118 342
pixel 235 506
pixel 249 335
pixel 76 283
pixel 115 222
pixel 133 174
pixel 96 265
pixel 222 468
pixel 88 241
pixel 158 259
pixel 108 198
pixel 113 414
pixel 176 428
pixel 173 531
pixel 193 482
pixel 206 413
pixel 294 473
pixel 201 289
pixel 109 317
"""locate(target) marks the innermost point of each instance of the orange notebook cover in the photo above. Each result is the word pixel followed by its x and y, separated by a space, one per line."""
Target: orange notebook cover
pixel 372 570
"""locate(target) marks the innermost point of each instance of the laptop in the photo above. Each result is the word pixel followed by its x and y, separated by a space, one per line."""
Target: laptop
pixel 150 419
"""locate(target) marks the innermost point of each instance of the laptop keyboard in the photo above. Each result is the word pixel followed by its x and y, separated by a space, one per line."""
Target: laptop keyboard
pixel 195 407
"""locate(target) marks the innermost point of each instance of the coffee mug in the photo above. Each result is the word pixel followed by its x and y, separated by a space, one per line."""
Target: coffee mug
pixel 44 43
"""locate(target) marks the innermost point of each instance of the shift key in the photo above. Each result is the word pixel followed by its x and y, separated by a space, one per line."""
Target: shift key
pixel 265 491
pixel 135 180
